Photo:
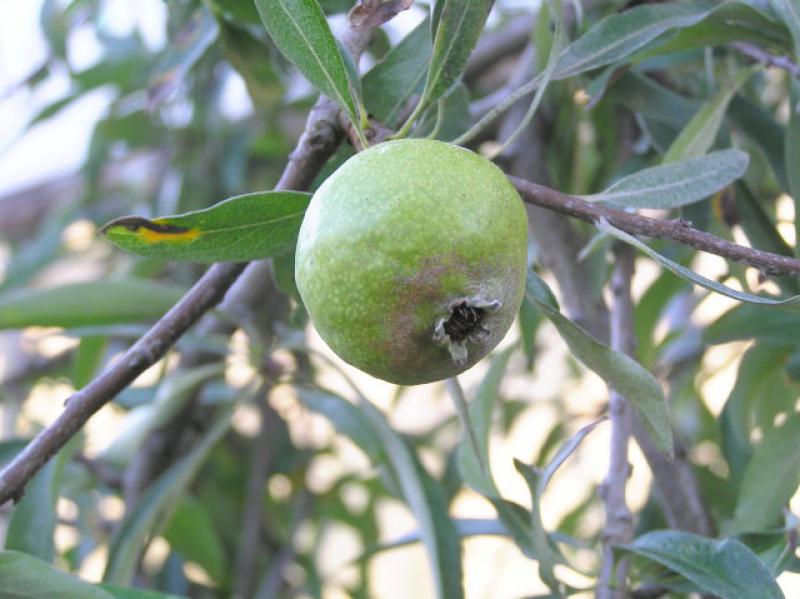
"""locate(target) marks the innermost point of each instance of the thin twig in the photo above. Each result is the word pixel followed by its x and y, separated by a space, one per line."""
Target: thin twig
pixel 772 60
pixel 262 460
pixel 273 578
pixel 619 522
pixel 674 230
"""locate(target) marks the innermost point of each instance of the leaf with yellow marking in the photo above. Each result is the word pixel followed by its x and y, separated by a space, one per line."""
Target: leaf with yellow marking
pixel 239 229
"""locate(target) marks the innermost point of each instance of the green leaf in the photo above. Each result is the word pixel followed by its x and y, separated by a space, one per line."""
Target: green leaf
pixel 792 156
pixel 474 467
pixel 457 31
pixel 546 75
pixel 389 85
pixel 425 498
pixel 459 26
pixel 676 184
pixel 242 228
pixel 300 31
pixel 758 125
pixel 789 11
pixel 620 372
pixel 251 58
pixel 158 503
pixel 760 366
pixel 367 428
pixel 191 533
pixel 748 321
pixel 348 419
pixel 620 35
pixel 609 41
pixel 723 567
pixel 119 592
pixel 88 357
pixel 731 21
pixel 33 521
pixel 700 132
pixel 563 453
pixel 182 53
pixel 28 577
pixel 82 304
pixel 791 304
pixel 770 479
pixel 170 398
pixel 547 556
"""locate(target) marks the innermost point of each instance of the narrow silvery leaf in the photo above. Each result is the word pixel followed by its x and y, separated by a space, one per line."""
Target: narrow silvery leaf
pixel 789 11
pixel 159 501
pixel 610 40
pixel 301 32
pixel 701 131
pixel 725 567
pixel 791 304
pixel 792 155
pixel 458 28
pixel 620 35
pixel 566 450
pixel 620 372
pixel 474 466
pixel 390 84
pixel 770 478
pixel 26 576
pixel 438 534
pixel 676 184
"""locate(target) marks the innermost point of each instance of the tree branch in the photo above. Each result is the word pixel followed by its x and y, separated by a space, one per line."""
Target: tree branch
pixel 619 521
pixel 679 231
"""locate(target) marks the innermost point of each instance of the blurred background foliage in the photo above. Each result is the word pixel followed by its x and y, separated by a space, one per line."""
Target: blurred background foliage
pixel 254 464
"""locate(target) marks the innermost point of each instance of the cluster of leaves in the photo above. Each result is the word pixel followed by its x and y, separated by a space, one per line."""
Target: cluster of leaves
pixel 673 73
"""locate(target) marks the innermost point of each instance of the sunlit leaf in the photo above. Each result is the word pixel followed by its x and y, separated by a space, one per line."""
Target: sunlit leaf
pixel 239 229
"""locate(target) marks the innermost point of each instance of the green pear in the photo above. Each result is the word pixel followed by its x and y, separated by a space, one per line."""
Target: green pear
pixel 411 260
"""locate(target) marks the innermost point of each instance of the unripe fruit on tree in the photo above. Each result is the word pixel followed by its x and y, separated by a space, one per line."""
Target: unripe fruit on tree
pixel 411 260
